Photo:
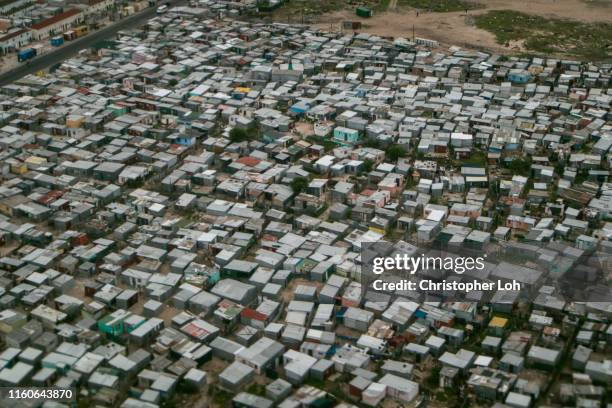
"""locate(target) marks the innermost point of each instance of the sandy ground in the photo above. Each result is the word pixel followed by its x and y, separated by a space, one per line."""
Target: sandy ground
pixel 456 28
pixel 304 128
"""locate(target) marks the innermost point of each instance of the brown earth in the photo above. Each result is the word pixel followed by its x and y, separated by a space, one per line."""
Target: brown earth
pixel 456 28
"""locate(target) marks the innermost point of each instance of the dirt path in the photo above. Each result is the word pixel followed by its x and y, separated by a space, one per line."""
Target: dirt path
pixel 455 28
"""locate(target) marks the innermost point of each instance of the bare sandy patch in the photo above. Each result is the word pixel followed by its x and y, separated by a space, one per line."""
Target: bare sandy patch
pixel 457 28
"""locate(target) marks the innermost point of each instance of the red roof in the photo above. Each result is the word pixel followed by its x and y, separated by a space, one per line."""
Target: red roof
pixel 268 237
pixel 13 34
pixel 253 314
pixel 50 196
pixel 249 161
pixel 367 192
pixel 56 19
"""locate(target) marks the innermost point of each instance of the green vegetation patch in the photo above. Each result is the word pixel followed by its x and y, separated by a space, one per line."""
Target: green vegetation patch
pixel 591 41
pixel 394 152
pixel 299 184
pixel 221 397
pixel 326 142
pixel 299 7
pixel 441 6
pixel 597 3
pixel 477 158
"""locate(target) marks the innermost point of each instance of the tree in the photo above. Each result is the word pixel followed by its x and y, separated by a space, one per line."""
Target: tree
pixel 329 145
pixel 520 166
pixel 299 184
pixel 367 165
pixel 395 152
pixel 253 131
pixel 373 143
pixel 434 378
pixel 238 135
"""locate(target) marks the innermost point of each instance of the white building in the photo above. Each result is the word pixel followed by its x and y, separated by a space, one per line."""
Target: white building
pixel 400 388
pixel 98 6
pixel 56 24
pixel 15 40
pixel 8 7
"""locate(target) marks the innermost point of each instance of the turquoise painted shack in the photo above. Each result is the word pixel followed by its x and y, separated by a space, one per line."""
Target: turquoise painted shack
pixel 346 136
pixel 519 76
pixel 120 322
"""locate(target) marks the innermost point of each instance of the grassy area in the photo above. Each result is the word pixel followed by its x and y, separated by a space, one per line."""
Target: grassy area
pixel 257 389
pixel 382 5
pixel 441 6
pixel 298 9
pixel 326 142
pixel 477 158
pixel 597 3
pixel 549 35
pixel 185 221
pixel 221 397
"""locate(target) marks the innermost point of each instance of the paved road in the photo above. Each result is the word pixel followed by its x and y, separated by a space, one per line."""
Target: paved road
pixel 67 51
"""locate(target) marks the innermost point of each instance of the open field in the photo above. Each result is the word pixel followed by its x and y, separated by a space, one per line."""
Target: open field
pixel 577 28
pixel 442 6
pixel 549 35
